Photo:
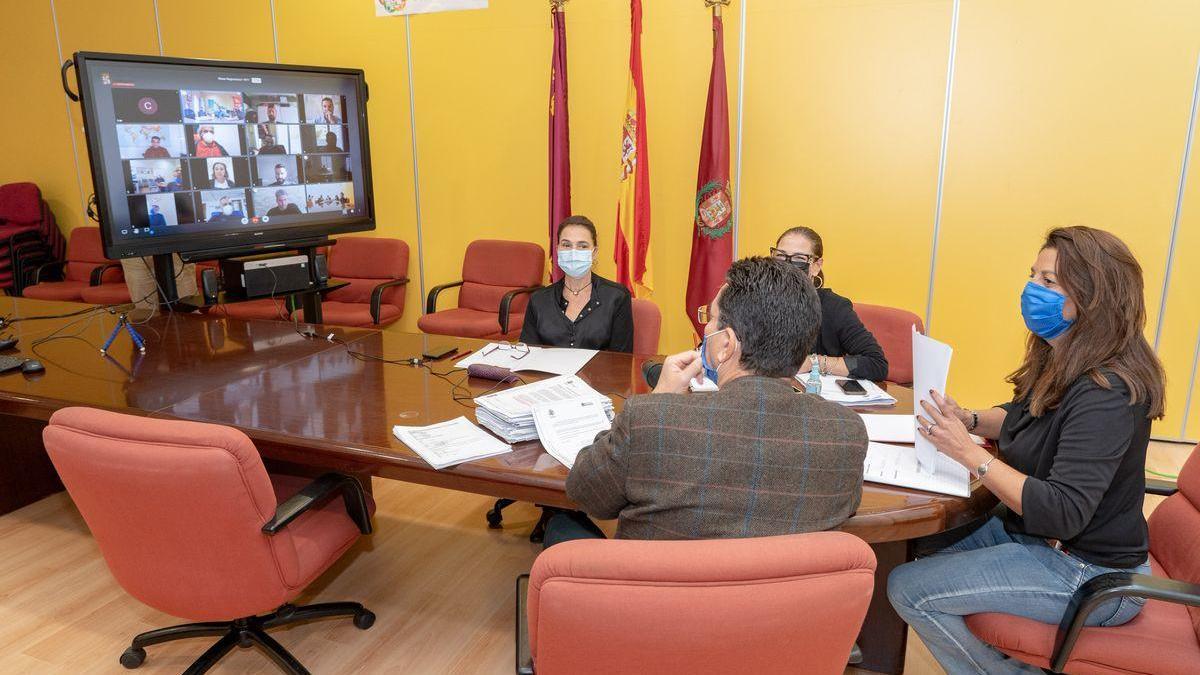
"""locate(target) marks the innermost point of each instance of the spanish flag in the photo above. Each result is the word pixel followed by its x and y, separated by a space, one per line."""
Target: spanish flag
pixel 632 253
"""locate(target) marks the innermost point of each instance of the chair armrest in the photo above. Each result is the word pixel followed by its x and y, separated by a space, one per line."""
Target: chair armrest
pixel 377 297
pixel 431 303
pixel 98 274
pixel 315 493
pixel 1157 486
pixel 506 302
pixel 1105 587
pixel 37 271
pixel 524 657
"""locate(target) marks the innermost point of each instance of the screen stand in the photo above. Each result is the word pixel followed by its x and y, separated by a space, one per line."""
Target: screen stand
pixel 164 273
pixel 311 302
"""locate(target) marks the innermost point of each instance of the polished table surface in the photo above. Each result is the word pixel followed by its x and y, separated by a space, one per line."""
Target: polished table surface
pixel 313 402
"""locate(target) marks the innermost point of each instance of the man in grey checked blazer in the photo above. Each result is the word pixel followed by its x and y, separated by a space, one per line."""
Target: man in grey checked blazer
pixel 753 459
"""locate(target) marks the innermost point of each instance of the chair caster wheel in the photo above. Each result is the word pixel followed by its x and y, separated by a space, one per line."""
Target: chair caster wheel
pixel 364 619
pixel 133 657
pixel 494 518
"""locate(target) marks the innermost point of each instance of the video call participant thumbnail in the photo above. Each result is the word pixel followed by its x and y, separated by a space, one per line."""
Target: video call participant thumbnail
pixel 323 138
pixel 323 108
pixel 272 108
pixel 212 106
pixel 327 168
pixel 329 197
pixel 150 141
pixel 135 106
pixel 152 175
pixel 160 210
pixel 276 171
pixel 214 140
pixel 223 207
pixel 283 205
pixel 274 202
pixel 220 173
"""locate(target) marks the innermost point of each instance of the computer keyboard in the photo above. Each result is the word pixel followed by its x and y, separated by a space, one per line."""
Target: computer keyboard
pixel 8 363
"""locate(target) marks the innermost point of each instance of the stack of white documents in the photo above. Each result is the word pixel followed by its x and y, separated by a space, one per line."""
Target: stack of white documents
pixel 449 443
pixel 830 391
pixel 897 465
pixel 555 360
pixel 509 413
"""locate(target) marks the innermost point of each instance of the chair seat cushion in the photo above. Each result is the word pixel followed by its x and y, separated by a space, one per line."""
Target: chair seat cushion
pixel 1158 640
pixel 321 535
pixel 71 291
pixel 472 323
pixel 266 309
pixel 354 314
pixel 106 294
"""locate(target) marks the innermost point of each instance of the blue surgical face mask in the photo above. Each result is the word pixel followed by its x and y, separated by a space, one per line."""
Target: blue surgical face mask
pixel 1042 310
pixel 574 262
pixel 709 371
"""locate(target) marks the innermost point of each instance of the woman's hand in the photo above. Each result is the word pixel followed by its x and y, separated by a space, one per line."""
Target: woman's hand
pixel 952 408
pixel 941 426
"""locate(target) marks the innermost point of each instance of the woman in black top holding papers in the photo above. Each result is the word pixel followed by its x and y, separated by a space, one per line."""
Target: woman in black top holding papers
pixel 583 309
pixel 1071 465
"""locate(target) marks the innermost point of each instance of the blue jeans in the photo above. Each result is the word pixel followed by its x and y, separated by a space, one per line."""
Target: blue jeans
pixel 990 570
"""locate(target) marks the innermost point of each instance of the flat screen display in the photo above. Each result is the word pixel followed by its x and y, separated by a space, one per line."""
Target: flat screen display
pixel 208 156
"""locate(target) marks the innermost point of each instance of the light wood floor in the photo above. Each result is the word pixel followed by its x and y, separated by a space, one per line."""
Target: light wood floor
pixel 440 582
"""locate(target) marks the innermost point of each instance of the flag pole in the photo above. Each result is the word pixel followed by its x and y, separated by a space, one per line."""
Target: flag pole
pixel 716 6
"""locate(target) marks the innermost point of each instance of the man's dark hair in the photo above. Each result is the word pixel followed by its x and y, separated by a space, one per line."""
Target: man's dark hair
pixel 155 138
pixel 581 221
pixel 773 309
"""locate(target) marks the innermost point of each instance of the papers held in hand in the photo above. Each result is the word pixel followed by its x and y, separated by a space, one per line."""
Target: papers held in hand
pixel 566 427
pixel 518 357
pixel 449 443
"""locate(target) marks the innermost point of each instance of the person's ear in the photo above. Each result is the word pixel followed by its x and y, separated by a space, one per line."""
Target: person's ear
pixel 730 348
pixel 814 267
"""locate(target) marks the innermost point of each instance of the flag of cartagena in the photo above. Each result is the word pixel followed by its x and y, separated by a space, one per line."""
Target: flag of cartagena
pixel 712 223
pixel 560 138
pixel 632 251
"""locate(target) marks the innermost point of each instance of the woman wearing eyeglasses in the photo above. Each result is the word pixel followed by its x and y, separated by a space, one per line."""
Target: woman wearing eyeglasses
pixel 844 345
pixel 582 310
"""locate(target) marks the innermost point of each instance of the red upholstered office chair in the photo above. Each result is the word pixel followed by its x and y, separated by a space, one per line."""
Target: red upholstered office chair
pixel 496 277
pixel 377 269
pixel 892 328
pixel 85 267
pixel 29 235
pixel 790 604
pixel 647 325
pixel 1163 639
pixel 191 524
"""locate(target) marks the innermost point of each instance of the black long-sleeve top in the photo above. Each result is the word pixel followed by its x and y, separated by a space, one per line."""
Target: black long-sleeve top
pixel 605 323
pixel 843 334
pixel 1085 463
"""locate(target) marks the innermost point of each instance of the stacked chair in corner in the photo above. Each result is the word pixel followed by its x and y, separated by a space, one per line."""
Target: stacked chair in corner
pixel 29 235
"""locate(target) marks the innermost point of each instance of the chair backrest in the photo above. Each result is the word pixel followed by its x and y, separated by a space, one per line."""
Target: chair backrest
pixel 785 604
pixel 20 204
pixel 1175 531
pixel 892 328
pixel 85 252
pixel 366 262
pixel 647 325
pixel 176 508
pixel 492 268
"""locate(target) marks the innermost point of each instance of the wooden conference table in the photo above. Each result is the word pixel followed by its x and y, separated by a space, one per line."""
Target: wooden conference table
pixel 313 403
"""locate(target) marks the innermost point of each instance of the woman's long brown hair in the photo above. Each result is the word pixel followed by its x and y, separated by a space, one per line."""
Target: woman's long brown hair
pixel 1100 274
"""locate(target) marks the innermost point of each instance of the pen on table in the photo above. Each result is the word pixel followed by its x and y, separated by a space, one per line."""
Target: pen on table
pixel 457 354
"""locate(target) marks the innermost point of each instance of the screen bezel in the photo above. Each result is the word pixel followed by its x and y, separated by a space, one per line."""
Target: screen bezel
pixel 228 243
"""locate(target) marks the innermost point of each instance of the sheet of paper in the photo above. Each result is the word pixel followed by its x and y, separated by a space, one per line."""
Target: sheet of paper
pixel 830 391
pixel 554 360
pixel 519 401
pixel 896 428
pixel 897 465
pixel 449 443
pixel 931 368
pixel 566 427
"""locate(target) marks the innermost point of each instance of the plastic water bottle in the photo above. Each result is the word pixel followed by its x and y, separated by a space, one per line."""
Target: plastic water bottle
pixel 813 385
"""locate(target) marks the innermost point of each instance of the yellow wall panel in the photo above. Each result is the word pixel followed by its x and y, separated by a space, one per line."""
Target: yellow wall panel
pixel 1181 316
pixel 39 149
pixel 1059 117
pixel 842 133
pixel 355 38
pixel 1192 431
pixel 120 26
pixel 188 29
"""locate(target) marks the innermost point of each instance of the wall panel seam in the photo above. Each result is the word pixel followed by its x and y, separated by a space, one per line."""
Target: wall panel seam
pixel 416 172
pixel 67 109
pixel 941 177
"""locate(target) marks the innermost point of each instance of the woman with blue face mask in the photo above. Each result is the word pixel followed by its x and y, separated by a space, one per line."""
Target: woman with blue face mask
pixel 582 310
pixel 1070 469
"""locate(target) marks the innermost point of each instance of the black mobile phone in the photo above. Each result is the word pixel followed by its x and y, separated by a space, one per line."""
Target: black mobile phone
pixel 438 352
pixel 852 387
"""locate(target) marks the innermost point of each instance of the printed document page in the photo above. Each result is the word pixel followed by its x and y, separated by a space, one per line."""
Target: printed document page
pixel 897 465
pixel 449 443
pixel 566 427
pixel 554 360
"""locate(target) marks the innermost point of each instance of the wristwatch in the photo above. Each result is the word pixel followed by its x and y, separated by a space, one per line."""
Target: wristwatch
pixel 982 469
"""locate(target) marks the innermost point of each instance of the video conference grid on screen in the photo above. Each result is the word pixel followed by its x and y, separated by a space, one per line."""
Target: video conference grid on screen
pixel 231 158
